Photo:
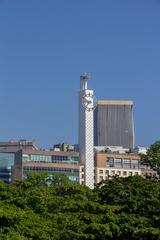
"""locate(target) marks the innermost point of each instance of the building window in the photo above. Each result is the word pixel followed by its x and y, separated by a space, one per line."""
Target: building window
pixel 119 173
pixel 126 163
pixel 110 162
pixel 124 173
pixel 118 162
pixel 130 174
pixel 100 178
pixel 136 173
pixel 100 171
pixel 6 160
pixel 39 158
pixel 112 173
pixel 72 174
pixel 107 172
pixel 135 164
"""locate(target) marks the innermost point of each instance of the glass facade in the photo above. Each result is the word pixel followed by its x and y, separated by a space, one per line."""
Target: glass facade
pixel 47 158
pixel 126 163
pixel 135 164
pixel 118 162
pixel 36 158
pixel 6 162
pixel 110 162
pixel 122 163
pixel 73 174
pixel 65 159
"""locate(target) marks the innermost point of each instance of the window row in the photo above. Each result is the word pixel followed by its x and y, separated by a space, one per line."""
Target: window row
pixel 46 158
pixel 6 160
pixel 122 174
pixel 51 169
pixel 122 163
pixel 119 173
pixel 72 174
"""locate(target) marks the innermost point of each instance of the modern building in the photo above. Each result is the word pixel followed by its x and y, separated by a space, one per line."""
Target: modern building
pixel 113 123
pixel 6 163
pixel 123 165
pixel 17 164
pixel 28 160
pixel 7 156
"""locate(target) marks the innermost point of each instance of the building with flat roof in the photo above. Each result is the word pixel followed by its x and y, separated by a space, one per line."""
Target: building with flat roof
pixel 8 150
pixel 17 165
pixel 15 145
pixel 123 165
pixel 28 160
pixel 105 164
pixel 113 123
pixel 6 162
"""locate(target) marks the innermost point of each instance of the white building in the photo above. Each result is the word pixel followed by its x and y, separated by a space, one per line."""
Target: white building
pixel 140 150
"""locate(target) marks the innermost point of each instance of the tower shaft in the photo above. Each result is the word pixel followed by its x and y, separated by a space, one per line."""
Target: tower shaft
pixel 86 135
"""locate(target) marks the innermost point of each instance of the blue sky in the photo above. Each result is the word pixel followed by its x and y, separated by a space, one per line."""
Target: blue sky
pixel 46 45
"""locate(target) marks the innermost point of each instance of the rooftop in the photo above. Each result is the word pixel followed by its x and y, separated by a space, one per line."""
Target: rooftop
pixel 115 102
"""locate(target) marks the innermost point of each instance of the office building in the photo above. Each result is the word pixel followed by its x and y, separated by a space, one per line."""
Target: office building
pixel 122 165
pixel 6 163
pixel 17 164
pixel 113 123
pixel 29 160
pixel 8 150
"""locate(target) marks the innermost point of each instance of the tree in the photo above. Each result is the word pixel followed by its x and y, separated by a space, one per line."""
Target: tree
pixel 139 206
pixel 118 208
pixel 152 158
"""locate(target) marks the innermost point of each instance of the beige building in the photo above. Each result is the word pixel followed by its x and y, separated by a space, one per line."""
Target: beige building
pixel 123 165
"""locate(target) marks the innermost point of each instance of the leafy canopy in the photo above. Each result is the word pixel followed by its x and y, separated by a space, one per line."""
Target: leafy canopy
pixel 118 208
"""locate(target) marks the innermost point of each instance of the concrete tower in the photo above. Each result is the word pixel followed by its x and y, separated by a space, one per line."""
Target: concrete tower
pixel 86 129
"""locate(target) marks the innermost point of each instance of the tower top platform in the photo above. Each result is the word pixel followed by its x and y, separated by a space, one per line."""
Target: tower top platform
pixel 85 76
pixel 83 81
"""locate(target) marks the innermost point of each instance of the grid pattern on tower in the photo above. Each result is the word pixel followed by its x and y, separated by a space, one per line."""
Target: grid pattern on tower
pixel 86 140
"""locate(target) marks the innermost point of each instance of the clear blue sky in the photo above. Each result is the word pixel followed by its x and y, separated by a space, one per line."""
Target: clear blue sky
pixel 46 45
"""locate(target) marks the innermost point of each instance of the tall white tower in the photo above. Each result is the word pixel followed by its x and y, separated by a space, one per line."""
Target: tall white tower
pixel 86 107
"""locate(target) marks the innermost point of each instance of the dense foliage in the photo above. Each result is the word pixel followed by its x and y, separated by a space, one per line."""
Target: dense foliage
pixel 152 158
pixel 118 208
